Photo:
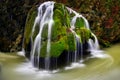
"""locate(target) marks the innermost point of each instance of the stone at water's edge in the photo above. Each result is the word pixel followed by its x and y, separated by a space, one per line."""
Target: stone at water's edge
pixel 65 48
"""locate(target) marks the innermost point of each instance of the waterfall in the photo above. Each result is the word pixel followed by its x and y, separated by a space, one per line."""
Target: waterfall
pixel 45 17
pixel 78 38
pixel 93 44
pixel 94 48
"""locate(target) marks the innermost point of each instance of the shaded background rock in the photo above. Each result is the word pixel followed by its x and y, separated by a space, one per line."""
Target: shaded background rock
pixel 103 15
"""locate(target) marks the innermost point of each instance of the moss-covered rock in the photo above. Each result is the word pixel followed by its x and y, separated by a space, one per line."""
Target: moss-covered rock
pixel 58 35
pixel 62 38
pixel 84 34
pixel 71 42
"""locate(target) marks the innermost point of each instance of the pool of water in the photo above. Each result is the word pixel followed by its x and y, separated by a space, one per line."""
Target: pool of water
pixel 15 67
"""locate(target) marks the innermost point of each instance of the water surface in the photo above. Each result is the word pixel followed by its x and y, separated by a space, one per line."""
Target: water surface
pixel 17 68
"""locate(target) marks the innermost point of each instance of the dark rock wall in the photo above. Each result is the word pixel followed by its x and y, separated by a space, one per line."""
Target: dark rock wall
pixel 103 15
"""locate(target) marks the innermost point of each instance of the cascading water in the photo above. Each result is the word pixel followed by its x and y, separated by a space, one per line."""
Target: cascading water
pixel 45 18
pixel 73 21
pixel 93 44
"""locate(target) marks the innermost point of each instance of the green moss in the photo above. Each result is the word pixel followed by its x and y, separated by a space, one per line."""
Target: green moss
pixel 43 49
pixel 82 31
pixel 61 14
pixel 58 32
pixel 56 48
pixel 45 33
pixel 34 34
pixel 71 42
pixel 84 34
pixel 80 23
pixel 29 23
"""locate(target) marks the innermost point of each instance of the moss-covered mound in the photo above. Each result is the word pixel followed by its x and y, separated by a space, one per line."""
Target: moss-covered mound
pixel 62 38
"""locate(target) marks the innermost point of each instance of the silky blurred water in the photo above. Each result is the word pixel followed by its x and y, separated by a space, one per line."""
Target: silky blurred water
pixel 108 68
